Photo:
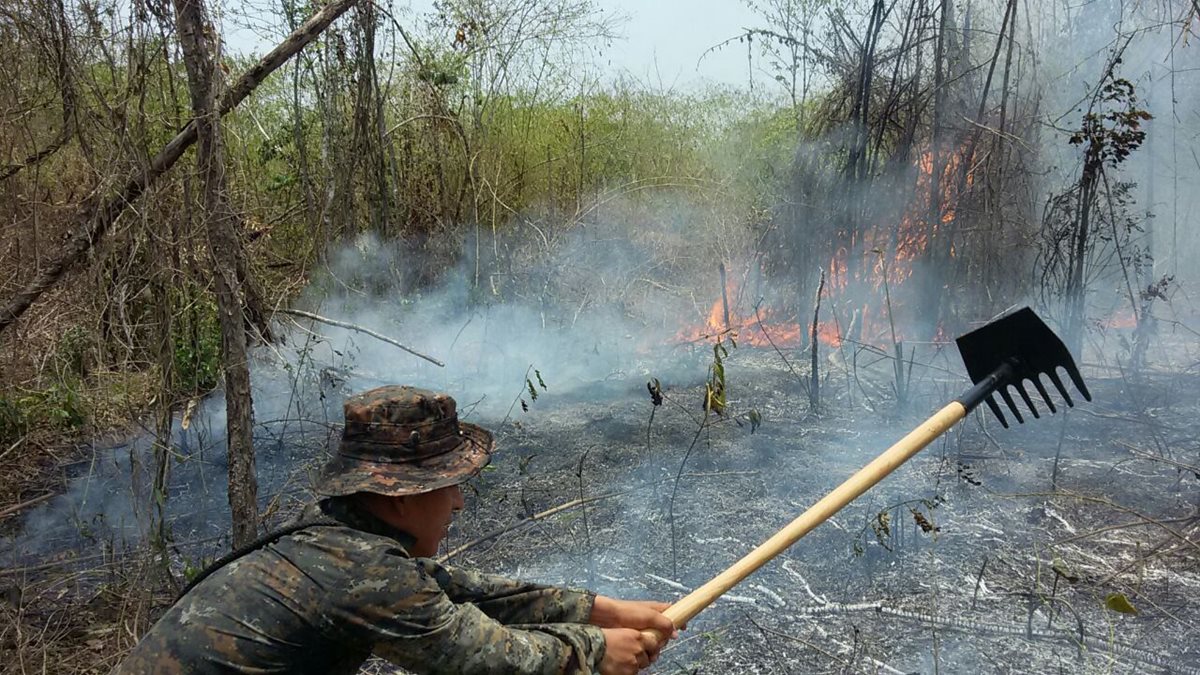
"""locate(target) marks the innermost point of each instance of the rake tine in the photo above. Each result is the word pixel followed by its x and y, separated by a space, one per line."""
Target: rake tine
pixel 1061 389
pixel 1025 396
pixel 1011 405
pixel 1073 372
pixel 1037 383
pixel 991 401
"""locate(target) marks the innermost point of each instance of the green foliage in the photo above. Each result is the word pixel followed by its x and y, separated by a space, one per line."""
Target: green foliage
pixel 58 406
pixel 56 401
pixel 533 392
pixel 441 68
pixel 72 351
pixel 196 339
pixel 13 422
pixel 192 569
pixel 466 139
pixel 1117 602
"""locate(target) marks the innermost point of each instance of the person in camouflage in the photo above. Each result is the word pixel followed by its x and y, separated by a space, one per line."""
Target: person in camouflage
pixel 354 576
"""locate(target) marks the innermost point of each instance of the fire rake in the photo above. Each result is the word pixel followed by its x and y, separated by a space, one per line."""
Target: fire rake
pixel 1001 354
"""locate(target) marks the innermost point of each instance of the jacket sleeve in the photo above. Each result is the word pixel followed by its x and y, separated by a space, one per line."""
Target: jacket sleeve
pixel 401 609
pixel 509 601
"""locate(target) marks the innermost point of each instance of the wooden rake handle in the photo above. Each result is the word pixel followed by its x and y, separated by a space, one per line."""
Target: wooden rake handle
pixel 685 609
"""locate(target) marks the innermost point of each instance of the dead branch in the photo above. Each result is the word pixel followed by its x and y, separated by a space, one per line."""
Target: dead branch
pixel 97 214
pixel 766 334
pixel 36 157
pixel 12 447
pixel 1159 549
pixel 1121 526
pixel 1161 524
pixel 1103 644
pixel 527 521
pixel 63 52
pixel 360 329
pixel 18 507
pixel 1152 458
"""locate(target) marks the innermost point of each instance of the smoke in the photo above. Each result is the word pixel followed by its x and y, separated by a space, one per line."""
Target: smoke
pixel 1151 49
pixel 541 316
pixel 586 320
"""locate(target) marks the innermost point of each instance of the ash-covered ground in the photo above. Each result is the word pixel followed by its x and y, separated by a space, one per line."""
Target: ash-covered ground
pixel 976 556
pixel 973 557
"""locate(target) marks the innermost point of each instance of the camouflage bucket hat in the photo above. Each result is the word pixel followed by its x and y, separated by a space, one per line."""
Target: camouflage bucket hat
pixel 403 440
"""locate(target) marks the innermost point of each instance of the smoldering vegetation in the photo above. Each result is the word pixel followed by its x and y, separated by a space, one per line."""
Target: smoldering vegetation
pixel 686 316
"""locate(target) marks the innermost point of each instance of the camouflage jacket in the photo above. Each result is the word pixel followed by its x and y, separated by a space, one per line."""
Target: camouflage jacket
pixel 322 599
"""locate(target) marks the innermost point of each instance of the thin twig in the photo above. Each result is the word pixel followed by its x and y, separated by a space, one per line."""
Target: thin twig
pixel 1122 526
pixel 17 507
pixel 587 531
pixel 13 447
pixel 675 489
pixel 1176 534
pixel 758 318
pixel 360 329
pixel 531 519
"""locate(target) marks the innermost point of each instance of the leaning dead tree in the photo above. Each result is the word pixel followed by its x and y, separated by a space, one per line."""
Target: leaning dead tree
pixel 97 214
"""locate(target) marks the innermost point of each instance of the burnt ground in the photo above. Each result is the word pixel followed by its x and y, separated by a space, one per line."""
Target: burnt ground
pixel 1012 573
pixel 1017 571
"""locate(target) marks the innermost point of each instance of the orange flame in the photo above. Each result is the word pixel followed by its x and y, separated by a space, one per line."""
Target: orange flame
pixel 895 247
pixel 1122 318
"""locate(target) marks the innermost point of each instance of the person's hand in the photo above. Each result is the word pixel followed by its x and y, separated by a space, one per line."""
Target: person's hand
pixel 627 651
pixel 636 614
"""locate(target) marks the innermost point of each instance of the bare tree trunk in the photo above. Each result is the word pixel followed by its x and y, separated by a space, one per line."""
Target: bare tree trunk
pixel 932 286
pixel 98 213
pixel 814 387
pixel 1075 290
pixel 201 52
pixel 724 295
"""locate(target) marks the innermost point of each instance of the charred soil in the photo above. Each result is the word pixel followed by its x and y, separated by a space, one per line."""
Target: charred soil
pixel 1068 544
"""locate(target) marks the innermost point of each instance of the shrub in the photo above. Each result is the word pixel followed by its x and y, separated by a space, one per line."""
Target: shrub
pixel 197 343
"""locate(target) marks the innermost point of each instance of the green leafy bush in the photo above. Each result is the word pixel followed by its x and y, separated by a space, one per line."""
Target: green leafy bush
pixel 59 406
pixel 197 344
pixel 13 424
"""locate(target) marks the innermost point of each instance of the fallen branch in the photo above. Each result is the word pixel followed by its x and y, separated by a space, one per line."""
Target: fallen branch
pixel 110 558
pixel 17 507
pixel 1154 458
pixel 817 648
pixel 1101 644
pixel 1161 524
pixel 575 503
pixel 1159 549
pixel 1122 526
pixel 360 329
pixel 12 169
pixel 13 447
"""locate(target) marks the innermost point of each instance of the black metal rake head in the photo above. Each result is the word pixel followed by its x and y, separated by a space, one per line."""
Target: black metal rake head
pixel 1010 350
